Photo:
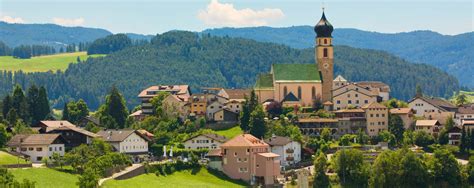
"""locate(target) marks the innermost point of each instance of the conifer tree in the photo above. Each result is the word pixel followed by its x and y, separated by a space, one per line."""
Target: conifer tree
pixel 257 122
pixel 115 107
pixel 463 145
pixel 65 112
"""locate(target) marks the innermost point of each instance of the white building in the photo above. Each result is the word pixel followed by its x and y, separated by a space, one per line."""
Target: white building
pixel 422 105
pixel 465 112
pixel 205 141
pixel 289 151
pixel 127 141
pixel 36 147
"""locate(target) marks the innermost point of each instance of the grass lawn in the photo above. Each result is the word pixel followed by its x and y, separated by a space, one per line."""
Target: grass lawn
pixel 6 158
pixel 231 132
pixel 46 177
pixel 42 63
pixel 183 179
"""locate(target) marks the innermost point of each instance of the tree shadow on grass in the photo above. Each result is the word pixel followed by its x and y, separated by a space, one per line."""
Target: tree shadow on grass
pixel 195 170
pixel 224 177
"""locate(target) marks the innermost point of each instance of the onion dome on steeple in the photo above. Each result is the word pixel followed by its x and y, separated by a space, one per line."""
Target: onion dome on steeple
pixel 323 28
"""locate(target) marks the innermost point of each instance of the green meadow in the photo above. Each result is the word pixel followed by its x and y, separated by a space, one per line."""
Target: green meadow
pixel 42 63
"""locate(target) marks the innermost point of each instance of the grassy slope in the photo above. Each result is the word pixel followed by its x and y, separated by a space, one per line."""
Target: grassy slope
pixel 230 133
pixel 42 63
pixel 6 158
pixel 470 95
pixel 46 177
pixel 183 179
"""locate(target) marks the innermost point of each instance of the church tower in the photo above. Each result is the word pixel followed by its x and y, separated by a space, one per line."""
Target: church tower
pixel 324 56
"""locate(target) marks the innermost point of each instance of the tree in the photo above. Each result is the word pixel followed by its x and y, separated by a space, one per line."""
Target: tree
pixel 65 112
pixel 57 160
pixel 257 122
pixel 419 92
pixel 157 103
pixel 43 104
pixel 346 139
pixel 326 134
pixel 89 179
pixel 470 170
pixel 4 135
pixel 351 168
pixel 109 44
pixel 6 105
pixel 423 139
pixel 395 126
pixel 413 171
pixel 362 137
pixel 12 117
pixel 385 170
pixel 443 135
pixel 274 109
pixel 388 137
pixel 19 103
pixel 461 99
pixel 115 107
pixel 463 144
pixel 320 168
pixel 445 167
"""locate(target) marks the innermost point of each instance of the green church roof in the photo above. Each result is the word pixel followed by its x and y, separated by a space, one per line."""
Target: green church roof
pixel 296 72
pixel 264 81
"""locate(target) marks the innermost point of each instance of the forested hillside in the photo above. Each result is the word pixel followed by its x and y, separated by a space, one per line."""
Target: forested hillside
pixel 453 54
pixel 185 58
pixel 47 34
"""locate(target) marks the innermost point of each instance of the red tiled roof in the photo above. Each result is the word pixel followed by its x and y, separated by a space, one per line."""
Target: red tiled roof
pixel 244 140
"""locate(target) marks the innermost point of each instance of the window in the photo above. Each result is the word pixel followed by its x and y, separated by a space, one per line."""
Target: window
pixel 325 41
pixel 39 149
pixel 357 101
pixel 30 149
pixel 348 95
pixel 313 92
pixel 325 52
pixel 285 91
pixel 299 92
pixel 235 153
pixel 357 95
pixel 39 158
pixel 50 149
pixel 349 102
pixel 366 101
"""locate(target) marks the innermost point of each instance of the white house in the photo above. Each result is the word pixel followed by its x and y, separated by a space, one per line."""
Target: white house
pixel 465 112
pixel 127 141
pixel 212 108
pixel 36 147
pixel 289 151
pixel 422 105
pixel 205 141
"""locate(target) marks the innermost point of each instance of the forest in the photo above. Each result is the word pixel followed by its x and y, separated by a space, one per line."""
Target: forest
pixel 179 57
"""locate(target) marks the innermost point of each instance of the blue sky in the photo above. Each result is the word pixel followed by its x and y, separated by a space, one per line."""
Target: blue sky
pixel 151 17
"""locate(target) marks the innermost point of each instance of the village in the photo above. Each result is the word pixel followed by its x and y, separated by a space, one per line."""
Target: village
pixel 291 115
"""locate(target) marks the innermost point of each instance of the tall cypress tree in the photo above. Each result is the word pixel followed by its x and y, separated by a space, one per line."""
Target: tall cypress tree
pixel 463 145
pixel 43 104
pixel 65 112
pixel 7 105
pixel 115 107
pixel 20 103
pixel 33 100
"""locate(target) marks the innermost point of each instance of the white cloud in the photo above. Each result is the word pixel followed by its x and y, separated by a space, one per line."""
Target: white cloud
pixel 69 22
pixel 10 19
pixel 224 14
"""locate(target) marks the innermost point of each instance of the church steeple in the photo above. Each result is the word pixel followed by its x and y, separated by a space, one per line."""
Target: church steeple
pixel 323 28
pixel 324 55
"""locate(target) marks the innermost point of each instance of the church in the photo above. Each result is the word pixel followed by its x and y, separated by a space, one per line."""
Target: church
pixel 302 84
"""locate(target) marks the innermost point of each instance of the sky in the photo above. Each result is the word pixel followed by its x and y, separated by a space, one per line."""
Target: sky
pixel 447 17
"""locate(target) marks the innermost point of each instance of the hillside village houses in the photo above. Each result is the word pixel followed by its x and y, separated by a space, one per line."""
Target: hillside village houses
pixel 204 141
pixel 37 147
pixel 73 136
pixel 127 141
pixel 289 151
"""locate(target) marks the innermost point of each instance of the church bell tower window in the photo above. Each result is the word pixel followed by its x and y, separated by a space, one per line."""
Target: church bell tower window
pixel 325 52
